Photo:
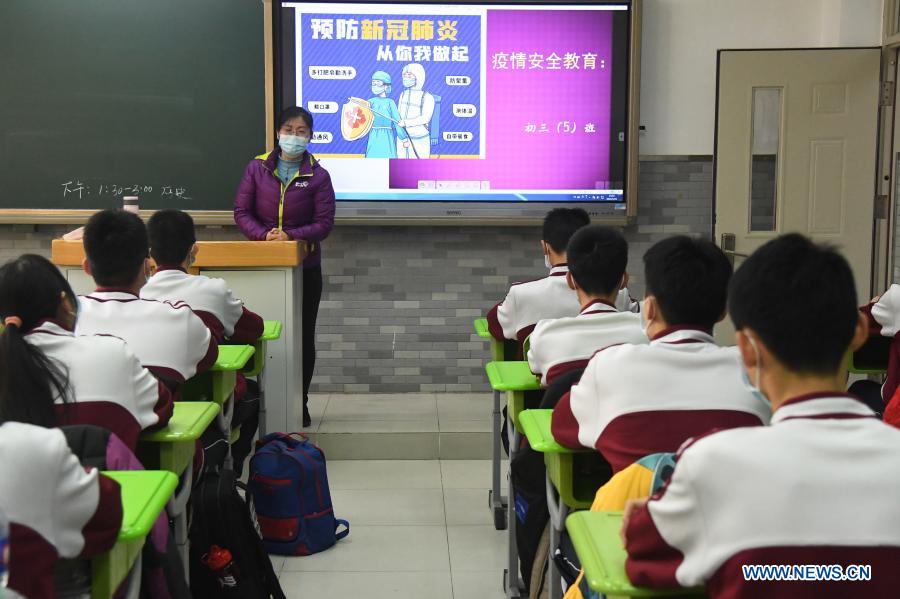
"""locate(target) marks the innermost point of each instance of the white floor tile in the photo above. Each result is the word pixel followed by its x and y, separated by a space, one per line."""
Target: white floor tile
pixel 467 506
pixel 420 407
pixel 380 549
pixel 370 585
pixel 478 585
pixel 452 407
pixel 470 474
pixel 342 425
pixel 384 474
pixel 464 426
pixel 389 506
pixel 477 548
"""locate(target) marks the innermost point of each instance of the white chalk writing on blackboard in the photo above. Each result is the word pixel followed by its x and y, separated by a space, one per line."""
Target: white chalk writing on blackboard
pixel 76 189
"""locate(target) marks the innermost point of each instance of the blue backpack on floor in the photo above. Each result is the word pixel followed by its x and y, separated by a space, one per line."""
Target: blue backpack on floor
pixel 290 492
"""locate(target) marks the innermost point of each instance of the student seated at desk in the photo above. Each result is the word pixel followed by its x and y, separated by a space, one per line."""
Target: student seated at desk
pixel 173 245
pixel 551 297
pixel 56 508
pixel 69 379
pixel 883 315
pixel 814 487
pixel 597 259
pixel 635 400
pixel 169 339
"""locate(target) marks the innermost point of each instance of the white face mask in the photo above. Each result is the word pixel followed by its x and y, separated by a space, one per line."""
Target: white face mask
pixel 547 262
pixel 751 387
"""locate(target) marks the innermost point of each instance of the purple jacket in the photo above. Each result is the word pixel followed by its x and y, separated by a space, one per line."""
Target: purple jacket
pixel 308 211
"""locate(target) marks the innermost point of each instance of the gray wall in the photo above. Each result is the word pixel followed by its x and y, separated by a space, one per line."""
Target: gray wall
pixel 398 305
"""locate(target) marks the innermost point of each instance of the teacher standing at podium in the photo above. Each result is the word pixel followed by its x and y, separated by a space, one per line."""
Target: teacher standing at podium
pixel 287 195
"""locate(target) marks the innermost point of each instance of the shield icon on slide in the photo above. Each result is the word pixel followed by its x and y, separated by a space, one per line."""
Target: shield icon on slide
pixel 356 119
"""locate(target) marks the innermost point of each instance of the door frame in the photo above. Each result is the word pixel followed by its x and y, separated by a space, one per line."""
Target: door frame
pixel 878 271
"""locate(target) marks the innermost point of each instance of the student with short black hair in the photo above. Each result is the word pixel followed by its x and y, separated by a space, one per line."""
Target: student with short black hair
pixel 635 400
pixel 51 377
pixel 526 303
pixel 812 487
pixel 173 245
pixel 169 339
pixel 597 258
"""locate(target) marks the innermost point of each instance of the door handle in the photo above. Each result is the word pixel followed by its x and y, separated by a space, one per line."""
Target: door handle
pixel 727 242
pixel 734 253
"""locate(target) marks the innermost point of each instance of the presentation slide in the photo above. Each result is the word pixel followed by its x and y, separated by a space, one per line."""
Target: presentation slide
pixel 481 103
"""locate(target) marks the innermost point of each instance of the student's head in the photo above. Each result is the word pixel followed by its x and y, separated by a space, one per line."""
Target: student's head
pixel 559 226
pixel 32 290
pixel 296 121
pixel 172 239
pixel 686 284
pixel 116 249
pixel 793 303
pixel 597 257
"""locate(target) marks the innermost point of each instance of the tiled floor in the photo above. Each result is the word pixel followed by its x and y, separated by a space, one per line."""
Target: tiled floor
pixel 410 426
pixel 407 412
pixel 417 529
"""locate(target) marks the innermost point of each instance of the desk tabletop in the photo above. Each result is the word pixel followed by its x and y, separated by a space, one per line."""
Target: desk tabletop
pixel 595 536
pixel 536 426
pixel 511 376
pixel 232 357
pixel 271 330
pixel 481 328
pixel 144 495
pixel 189 420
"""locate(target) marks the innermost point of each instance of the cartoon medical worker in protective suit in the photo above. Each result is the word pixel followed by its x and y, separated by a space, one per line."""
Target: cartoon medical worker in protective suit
pixel 382 142
pixel 416 109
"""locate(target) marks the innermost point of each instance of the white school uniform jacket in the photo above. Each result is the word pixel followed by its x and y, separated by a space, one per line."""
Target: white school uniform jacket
pixel 55 506
pixel 169 339
pixel 526 303
pixel 884 319
pixel 210 299
pixel 818 486
pixel 108 387
pixel 563 344
pixel 634 400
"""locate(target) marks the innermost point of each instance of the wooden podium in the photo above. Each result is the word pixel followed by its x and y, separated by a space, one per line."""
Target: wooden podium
pixel 267 276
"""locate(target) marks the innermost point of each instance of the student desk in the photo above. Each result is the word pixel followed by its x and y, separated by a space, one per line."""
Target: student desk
pixel 565 491
pixel 268 277
pixel 595 536
pixel 172 449
pixel 144 495
pixel 496 500
pixel 514 379
pixel 217 385
pixel 257 366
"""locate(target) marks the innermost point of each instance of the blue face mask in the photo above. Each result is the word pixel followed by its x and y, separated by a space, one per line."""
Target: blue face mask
pixel 377 89
pixel 409 81
pixel 643 319
pixel 293 145
pixel 750 386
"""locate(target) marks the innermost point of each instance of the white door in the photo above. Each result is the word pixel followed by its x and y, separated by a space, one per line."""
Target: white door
pixel 796 141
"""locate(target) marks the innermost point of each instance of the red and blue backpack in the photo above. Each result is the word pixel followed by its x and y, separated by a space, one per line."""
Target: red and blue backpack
pixel 289 485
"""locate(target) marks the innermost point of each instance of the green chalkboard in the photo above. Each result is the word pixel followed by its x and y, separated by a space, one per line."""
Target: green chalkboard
pixel 163 99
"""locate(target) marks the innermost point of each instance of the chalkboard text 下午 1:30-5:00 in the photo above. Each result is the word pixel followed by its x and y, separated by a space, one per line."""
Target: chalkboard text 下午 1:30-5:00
pixel 76 189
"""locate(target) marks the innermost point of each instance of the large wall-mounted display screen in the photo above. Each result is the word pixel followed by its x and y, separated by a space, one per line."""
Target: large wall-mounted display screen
pixel 462 103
